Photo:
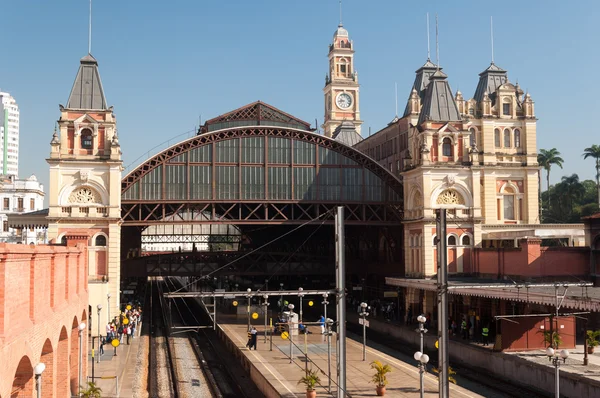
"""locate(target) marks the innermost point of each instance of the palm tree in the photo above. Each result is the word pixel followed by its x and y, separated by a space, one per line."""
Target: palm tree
pixel 546 158
pixel 594 152
pixel 573 190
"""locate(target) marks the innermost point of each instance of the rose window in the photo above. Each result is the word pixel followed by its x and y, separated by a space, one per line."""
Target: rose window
pixel 84 195
pixel 450 197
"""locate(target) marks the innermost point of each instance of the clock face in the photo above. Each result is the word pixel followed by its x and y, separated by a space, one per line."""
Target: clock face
pixel 343 100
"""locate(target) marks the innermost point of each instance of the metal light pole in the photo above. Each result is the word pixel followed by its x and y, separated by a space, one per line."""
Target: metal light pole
pixel 81 328
pixel 421 358
pixel 556 357
pixel 300 295
pixel 108 306
pixel 99 307
pixel 340 279
pixel 442 293
pixel 329 324
pixel 291 324
pixel 364 314
pixel 281 307
pixel 38 370
pixel 266 305
pixel 325 302
pixel 248 309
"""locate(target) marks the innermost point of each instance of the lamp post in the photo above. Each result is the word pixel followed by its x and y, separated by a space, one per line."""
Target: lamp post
pixel 81 328
pixel 266 305
pixel 364 314
pixel 329 323
pixel 38 370
pixel 300 295
pixel 281 307
pixel 99 307
pixel 556 357
pixel 325 303
pixel 291 324
pixel 422 360
pixel 248 309
pixel 108 306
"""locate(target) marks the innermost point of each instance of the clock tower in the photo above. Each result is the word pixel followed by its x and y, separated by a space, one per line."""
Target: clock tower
pixel 341 85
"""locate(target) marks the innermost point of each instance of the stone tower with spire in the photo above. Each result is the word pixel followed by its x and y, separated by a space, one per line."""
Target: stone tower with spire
pixel 85 184
pixel 476 158
pixel 341 91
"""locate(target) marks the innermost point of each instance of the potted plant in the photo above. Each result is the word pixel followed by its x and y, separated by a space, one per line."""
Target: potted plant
pixel 310 381
pixel 593 339
pixel 91 391
pixel 380 378
pixel 551 339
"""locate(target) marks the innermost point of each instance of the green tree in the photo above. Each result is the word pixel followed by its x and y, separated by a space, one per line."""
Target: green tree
pixel 573 190
pixel 547 158
pixel 594 153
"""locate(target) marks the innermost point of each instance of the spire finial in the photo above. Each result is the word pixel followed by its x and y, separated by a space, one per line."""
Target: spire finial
pixel 90 31
pixel 437 44
pixel 428 47
pixel 492 36
pixel 396 94
pixel 341 13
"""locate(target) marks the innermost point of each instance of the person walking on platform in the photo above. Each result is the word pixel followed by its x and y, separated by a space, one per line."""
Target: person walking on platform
pixel 485 332
pixel 253 338
pixel 322 324
pixel 463 329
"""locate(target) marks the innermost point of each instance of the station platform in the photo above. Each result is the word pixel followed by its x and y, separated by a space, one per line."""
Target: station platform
pixel 275 376
pixel 117 375
pixel 529 368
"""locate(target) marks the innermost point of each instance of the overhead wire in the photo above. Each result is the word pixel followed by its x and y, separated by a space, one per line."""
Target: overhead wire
pixel 292 254
pixel 257 249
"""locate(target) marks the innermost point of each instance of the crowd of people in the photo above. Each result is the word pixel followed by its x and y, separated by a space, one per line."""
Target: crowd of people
pixel 122 327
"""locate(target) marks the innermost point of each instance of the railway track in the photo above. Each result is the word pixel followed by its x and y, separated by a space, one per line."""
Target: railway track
pixel 199 363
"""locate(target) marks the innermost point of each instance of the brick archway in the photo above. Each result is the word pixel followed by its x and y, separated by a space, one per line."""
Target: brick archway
pixel 47 359
pixel 62 364
pixel 23 381
pixel 74 357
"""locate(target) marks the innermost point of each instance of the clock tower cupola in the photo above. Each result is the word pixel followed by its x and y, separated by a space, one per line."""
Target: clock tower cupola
pixel 341 84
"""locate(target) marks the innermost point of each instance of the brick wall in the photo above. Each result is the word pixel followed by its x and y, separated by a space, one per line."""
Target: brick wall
pixel 43 294
pixel 532 260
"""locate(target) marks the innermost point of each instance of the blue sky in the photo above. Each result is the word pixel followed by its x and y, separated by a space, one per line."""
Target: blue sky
pixel 166 64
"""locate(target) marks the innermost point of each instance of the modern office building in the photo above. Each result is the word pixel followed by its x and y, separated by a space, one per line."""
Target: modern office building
pixel 9 135
pixel 21 196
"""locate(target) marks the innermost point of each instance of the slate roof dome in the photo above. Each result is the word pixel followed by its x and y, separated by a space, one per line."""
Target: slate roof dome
pixel 340 32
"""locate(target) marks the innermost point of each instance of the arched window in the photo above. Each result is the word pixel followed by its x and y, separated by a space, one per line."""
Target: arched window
pixel 447 147
pixel 451 240
pixel 86 139
pixel 466 240
pixel 506 138
pixel 63 240
pixel 344 67
pixel 517 138
pixel 434 240
pixel 100 240
pixel 509 203
pixel 497 138
pixel 473 137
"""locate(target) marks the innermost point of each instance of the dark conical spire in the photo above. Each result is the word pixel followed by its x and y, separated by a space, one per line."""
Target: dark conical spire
pixel 439 104
pixel 87 92
pixel 489 81
pixel 421 81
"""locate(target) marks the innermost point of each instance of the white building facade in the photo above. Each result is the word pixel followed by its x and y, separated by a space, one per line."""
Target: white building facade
pixel 9 135
pixel 20 196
